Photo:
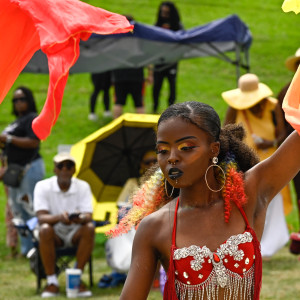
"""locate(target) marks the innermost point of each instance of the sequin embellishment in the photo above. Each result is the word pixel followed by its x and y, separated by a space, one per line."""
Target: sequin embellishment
pixel 220 275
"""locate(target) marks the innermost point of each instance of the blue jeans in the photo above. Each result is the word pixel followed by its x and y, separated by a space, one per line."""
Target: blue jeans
pixel 21 198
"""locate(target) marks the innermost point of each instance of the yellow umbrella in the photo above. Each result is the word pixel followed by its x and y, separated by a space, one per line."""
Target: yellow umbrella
pixel 111 155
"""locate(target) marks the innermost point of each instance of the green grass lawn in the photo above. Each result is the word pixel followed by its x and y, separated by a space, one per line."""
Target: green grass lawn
pixel 280 279
pixel 275 37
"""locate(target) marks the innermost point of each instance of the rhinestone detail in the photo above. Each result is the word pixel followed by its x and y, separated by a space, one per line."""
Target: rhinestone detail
pixel 230 247
pixel 238 287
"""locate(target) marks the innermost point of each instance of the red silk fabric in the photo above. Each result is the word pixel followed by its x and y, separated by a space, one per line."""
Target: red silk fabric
pixel 56 27
pixel 291 102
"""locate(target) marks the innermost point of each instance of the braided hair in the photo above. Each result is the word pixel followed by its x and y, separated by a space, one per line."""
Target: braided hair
pixel 235 158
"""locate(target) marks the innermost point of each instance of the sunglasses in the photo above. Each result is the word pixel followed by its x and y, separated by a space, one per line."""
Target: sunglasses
pixel 68 164
pixel 23 99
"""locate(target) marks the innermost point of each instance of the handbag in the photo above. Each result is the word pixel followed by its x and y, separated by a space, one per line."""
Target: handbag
pixel 13 175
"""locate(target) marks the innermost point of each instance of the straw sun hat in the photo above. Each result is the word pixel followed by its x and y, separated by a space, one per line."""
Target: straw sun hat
pixel 249 92
pixel 292 62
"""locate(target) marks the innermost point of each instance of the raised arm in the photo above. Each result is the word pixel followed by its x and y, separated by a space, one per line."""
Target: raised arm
pixel 272 174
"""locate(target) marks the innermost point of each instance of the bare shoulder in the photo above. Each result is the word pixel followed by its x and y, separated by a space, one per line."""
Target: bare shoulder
pixel 160 216
pixel 157 227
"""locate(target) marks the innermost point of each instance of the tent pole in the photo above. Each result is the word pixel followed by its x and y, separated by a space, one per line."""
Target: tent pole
pixel 247 60
pixel 238 60
pixel 222 55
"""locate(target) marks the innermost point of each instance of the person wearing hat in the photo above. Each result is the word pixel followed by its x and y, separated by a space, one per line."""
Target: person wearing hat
pixel 252 105
pixel 63 205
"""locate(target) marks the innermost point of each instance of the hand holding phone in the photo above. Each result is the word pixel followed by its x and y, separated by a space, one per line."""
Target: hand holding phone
pixel 73 216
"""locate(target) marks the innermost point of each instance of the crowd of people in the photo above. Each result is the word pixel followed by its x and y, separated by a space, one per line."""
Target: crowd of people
pixel 131 81
pixel 232 179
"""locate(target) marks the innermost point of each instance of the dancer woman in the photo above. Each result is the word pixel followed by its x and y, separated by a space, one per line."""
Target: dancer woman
pixel 207 235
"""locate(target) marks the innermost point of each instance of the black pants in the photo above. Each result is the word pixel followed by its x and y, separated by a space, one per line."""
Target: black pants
pixel 133 88
pixel 101 81
pixel 158 77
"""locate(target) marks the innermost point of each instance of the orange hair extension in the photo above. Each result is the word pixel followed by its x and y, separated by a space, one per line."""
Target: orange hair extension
pixel 151 196
pixel 147 199
pixel 233 189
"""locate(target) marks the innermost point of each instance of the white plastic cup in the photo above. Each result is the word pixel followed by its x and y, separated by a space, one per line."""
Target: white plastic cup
pixel 72 282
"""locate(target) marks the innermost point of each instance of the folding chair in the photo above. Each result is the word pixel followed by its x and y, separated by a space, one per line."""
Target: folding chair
pixel 64 256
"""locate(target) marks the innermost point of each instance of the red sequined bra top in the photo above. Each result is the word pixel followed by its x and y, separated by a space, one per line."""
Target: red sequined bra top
pixel 198 272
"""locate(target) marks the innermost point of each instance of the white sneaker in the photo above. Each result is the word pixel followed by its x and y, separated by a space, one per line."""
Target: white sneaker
pixel 83 291
pixel 84 294
pixel 50 291
pixel 107 113
pixel 93 117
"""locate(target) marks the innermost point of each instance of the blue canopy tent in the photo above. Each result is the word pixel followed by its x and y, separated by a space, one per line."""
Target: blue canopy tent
pixel 154 45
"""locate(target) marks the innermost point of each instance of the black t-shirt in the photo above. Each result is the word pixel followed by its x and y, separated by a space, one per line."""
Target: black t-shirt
pixel 21 128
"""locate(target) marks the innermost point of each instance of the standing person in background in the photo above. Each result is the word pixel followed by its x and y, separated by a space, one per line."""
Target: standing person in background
pixel 101 82
pixel 21 146
pixel 292 63
pixel 128 81
pixel 168 18
pixel 251 105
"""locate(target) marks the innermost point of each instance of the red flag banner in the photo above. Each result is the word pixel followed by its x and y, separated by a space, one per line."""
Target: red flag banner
pixel 56 27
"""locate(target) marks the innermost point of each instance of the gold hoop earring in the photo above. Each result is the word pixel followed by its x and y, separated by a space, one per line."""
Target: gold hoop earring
pixel 214 164
pixel 166 189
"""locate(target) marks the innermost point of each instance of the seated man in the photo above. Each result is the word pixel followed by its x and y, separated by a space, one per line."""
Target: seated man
pixel 55 199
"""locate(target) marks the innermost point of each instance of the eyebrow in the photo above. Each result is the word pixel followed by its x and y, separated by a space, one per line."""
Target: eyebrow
pixel 179 140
